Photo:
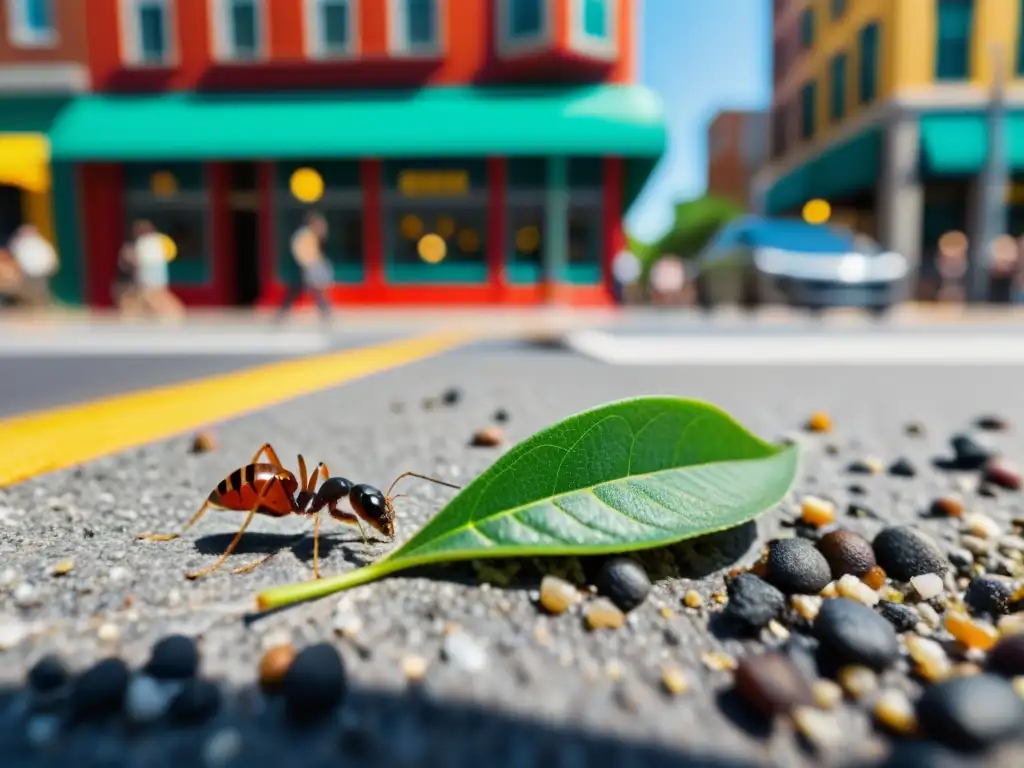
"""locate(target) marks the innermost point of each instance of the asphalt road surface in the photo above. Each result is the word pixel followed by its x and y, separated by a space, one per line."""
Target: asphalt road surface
pixel 551 693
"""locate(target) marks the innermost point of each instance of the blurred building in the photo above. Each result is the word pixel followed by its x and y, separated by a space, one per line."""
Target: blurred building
pixel 737 146
pixel 462 151
pixel 879 108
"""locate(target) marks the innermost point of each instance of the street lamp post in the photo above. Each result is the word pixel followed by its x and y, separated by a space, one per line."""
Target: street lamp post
pixel 990 202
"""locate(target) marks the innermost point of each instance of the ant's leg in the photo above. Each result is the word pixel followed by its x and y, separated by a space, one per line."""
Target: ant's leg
pixel 271 456
pixel 249 567
pixel 171 536
pixel 234 542
pixel 316 546
pixel 303 477
pixel 318 472
pixel 348 518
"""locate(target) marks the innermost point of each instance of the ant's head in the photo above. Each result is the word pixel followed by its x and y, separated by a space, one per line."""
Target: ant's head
pixel 374 507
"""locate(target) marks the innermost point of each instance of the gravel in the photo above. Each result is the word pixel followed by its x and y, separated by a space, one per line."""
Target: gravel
pixel 905 552
pixel 540 668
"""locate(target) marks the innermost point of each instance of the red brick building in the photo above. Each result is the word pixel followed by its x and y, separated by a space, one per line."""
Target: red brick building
pixel 737 145
pixel 507 136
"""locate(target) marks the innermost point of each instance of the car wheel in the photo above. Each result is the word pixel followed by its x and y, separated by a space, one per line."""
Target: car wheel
pixel 703 295
pixel 879 311
pixel 750 292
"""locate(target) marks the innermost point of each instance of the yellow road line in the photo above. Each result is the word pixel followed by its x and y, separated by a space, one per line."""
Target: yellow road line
pixel 43 441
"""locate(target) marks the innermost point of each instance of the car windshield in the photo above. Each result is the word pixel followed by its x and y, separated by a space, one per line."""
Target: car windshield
pixel 801 237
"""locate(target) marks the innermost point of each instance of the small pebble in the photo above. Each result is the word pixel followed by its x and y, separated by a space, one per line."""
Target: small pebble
pixel 853 588
pixel 693 599
pixel 821 729
pixel 1003 474
pixel 222 748
pixel 315 682
pixel 970 632
pixel 874 578
pixel 795 566
pixel 347 623
pixel 806 606
pixel 146 699
pixel 928 614
pixel 63 568
pixel 856 634
pixel 969 453
pixel 902 468
pixel 902 618
pixel 914 428
pixel 274 666
pixel 1007 656
pixel 865 466
pixel 557 595
pixel 119 574
pixel 982 526
pixel 25 595
pixel 204 441
pixel 717 661
pixel 827 694
pixel 961 559
pixel 1010 625
pixel 174 657
pixel 464 651
pixel 971 713
pixel 932 662
pixel 673 680
pixel 819 421
pixel 817 512
pixel 451 396
pixel 414 667
pixel 197 701
pixel 13 632
pixel 947 506
pixel 48 674
pixel 624 581
pixel 604 614
pixel 859 682
pixel 988 595
pixel 488 437
pixel 771 684
pixel 990 422
pixel 753 602
pixel 895 712
pixel 847 552
pixel 500 416
pixel 100 690
pixel 905 552
pixel 927 585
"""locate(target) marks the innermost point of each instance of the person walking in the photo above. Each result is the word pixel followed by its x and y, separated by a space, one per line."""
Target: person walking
pixel 314 268
pixel 151 272
pixel 125 290
pixel 37 260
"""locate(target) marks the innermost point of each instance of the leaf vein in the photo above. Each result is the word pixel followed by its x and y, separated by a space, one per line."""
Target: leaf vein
pixel 618 511
pixel 636 439
pixel 587 431
pixel 586 524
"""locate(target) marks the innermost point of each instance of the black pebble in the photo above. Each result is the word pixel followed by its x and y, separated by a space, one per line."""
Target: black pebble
pixel 500 416
pixel 856 489
pixel 624 581
pixel 992 423
pixel 451 396
pixel 196 702
pixel 174 657
pixel 803 652
pixel 988 595
pixel 100 690
pixel 48 674
pixel 856 634
pixel 753 602
pixel 904 552
pixel 971 713
pixel 902 468
pixel 918 754
pixel 1007 656
pixel 969 453
pixel 902 617
pixel 315 682
pixel 797 567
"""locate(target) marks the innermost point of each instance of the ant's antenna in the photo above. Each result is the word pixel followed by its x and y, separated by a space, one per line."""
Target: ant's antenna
pixel 421 477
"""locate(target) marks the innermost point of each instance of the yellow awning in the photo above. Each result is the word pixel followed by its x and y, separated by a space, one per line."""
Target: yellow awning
pixel 25 161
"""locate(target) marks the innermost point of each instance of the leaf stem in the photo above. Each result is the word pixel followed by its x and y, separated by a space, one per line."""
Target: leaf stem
pixel 317 588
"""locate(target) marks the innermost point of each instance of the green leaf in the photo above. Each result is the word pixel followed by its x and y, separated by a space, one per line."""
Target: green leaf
pixel 630 475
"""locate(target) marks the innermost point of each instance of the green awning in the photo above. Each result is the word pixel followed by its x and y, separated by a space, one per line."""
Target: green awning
pixel 432 122
pixel 956 145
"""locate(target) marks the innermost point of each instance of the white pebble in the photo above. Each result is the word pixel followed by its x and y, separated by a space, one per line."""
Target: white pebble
pixel 982 526
pixel 8 578
pixel 26 596
pixel 147 699
pixel 347 622
pixel 928 614
pixel 222 747
pixel 42 729
pixel 108 632
pixel 851 587
pixel 119 574
pixel 927 585
pixel 12 631
pixel 461 649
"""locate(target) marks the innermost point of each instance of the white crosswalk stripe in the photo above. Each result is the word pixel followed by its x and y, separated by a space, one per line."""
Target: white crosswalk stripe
pixel 64 343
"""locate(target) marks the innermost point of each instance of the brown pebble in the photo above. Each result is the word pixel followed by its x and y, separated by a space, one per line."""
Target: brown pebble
pixel 488 437
pixel 992 423
pixel 947 506
pixel 557 595
pixel 204 442
pixel 673 679
pixel 602 614
pixel 1003 474
pixel 771 684
pixel 914 428
pixel 847 552
pixel 819 421
pixel 274 666
pixel 874 578
pixel 895 712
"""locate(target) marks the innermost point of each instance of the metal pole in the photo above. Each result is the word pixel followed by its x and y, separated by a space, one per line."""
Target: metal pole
pixel 991 197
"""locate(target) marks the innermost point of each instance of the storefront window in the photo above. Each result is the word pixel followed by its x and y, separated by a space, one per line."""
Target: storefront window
pixel 435 222
pixel 10 212
pixel 174 198
pixel 585 220
pixel 527 182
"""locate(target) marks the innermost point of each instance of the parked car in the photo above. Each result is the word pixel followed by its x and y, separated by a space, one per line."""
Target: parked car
pixel 755 260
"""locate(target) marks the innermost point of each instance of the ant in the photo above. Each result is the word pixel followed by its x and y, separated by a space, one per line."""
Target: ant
pixel 270 489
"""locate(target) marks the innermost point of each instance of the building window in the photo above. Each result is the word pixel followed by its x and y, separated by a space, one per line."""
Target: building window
pixel 174 198
pixel 416 27
pixel 523 25
pixel 526 200
pixel 837 93
pixel 594 26
pixel 148 25
pixel 953 47
pixel 340 202
pixel 807 29
pixel 586 215
pixel 240 30
pixel 807 106
pixel 838 8
pixel 868 74
pixel 332 27
pixel 31 23
pixel 435 221
pixel 779 124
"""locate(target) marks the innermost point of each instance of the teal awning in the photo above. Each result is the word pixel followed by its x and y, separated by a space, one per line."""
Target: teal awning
pixel 955 145
pixel 432 122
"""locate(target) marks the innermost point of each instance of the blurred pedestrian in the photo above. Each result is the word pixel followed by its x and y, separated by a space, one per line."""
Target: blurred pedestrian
pixel 37 260
pixel 151 271
pixel 952 267
pixel 315 273
pixel 1003 261
pixel 125 289
pixel 10 280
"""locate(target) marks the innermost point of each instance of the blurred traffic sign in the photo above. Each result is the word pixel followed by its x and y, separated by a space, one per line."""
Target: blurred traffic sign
pixel 626 267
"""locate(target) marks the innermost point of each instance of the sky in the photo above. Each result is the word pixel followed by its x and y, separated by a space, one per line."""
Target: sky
pixel 700 57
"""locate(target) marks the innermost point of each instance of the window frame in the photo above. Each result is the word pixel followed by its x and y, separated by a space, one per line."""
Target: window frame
pixel 398 39
pixel 838 75
pixel 131 34
pixel 867 88
pixel 808 28
pixel 224 48
pixel 509 45
pixel 316 43
pixel 584 43
pixel 965 39
pixel 808 118
pixel 20 35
